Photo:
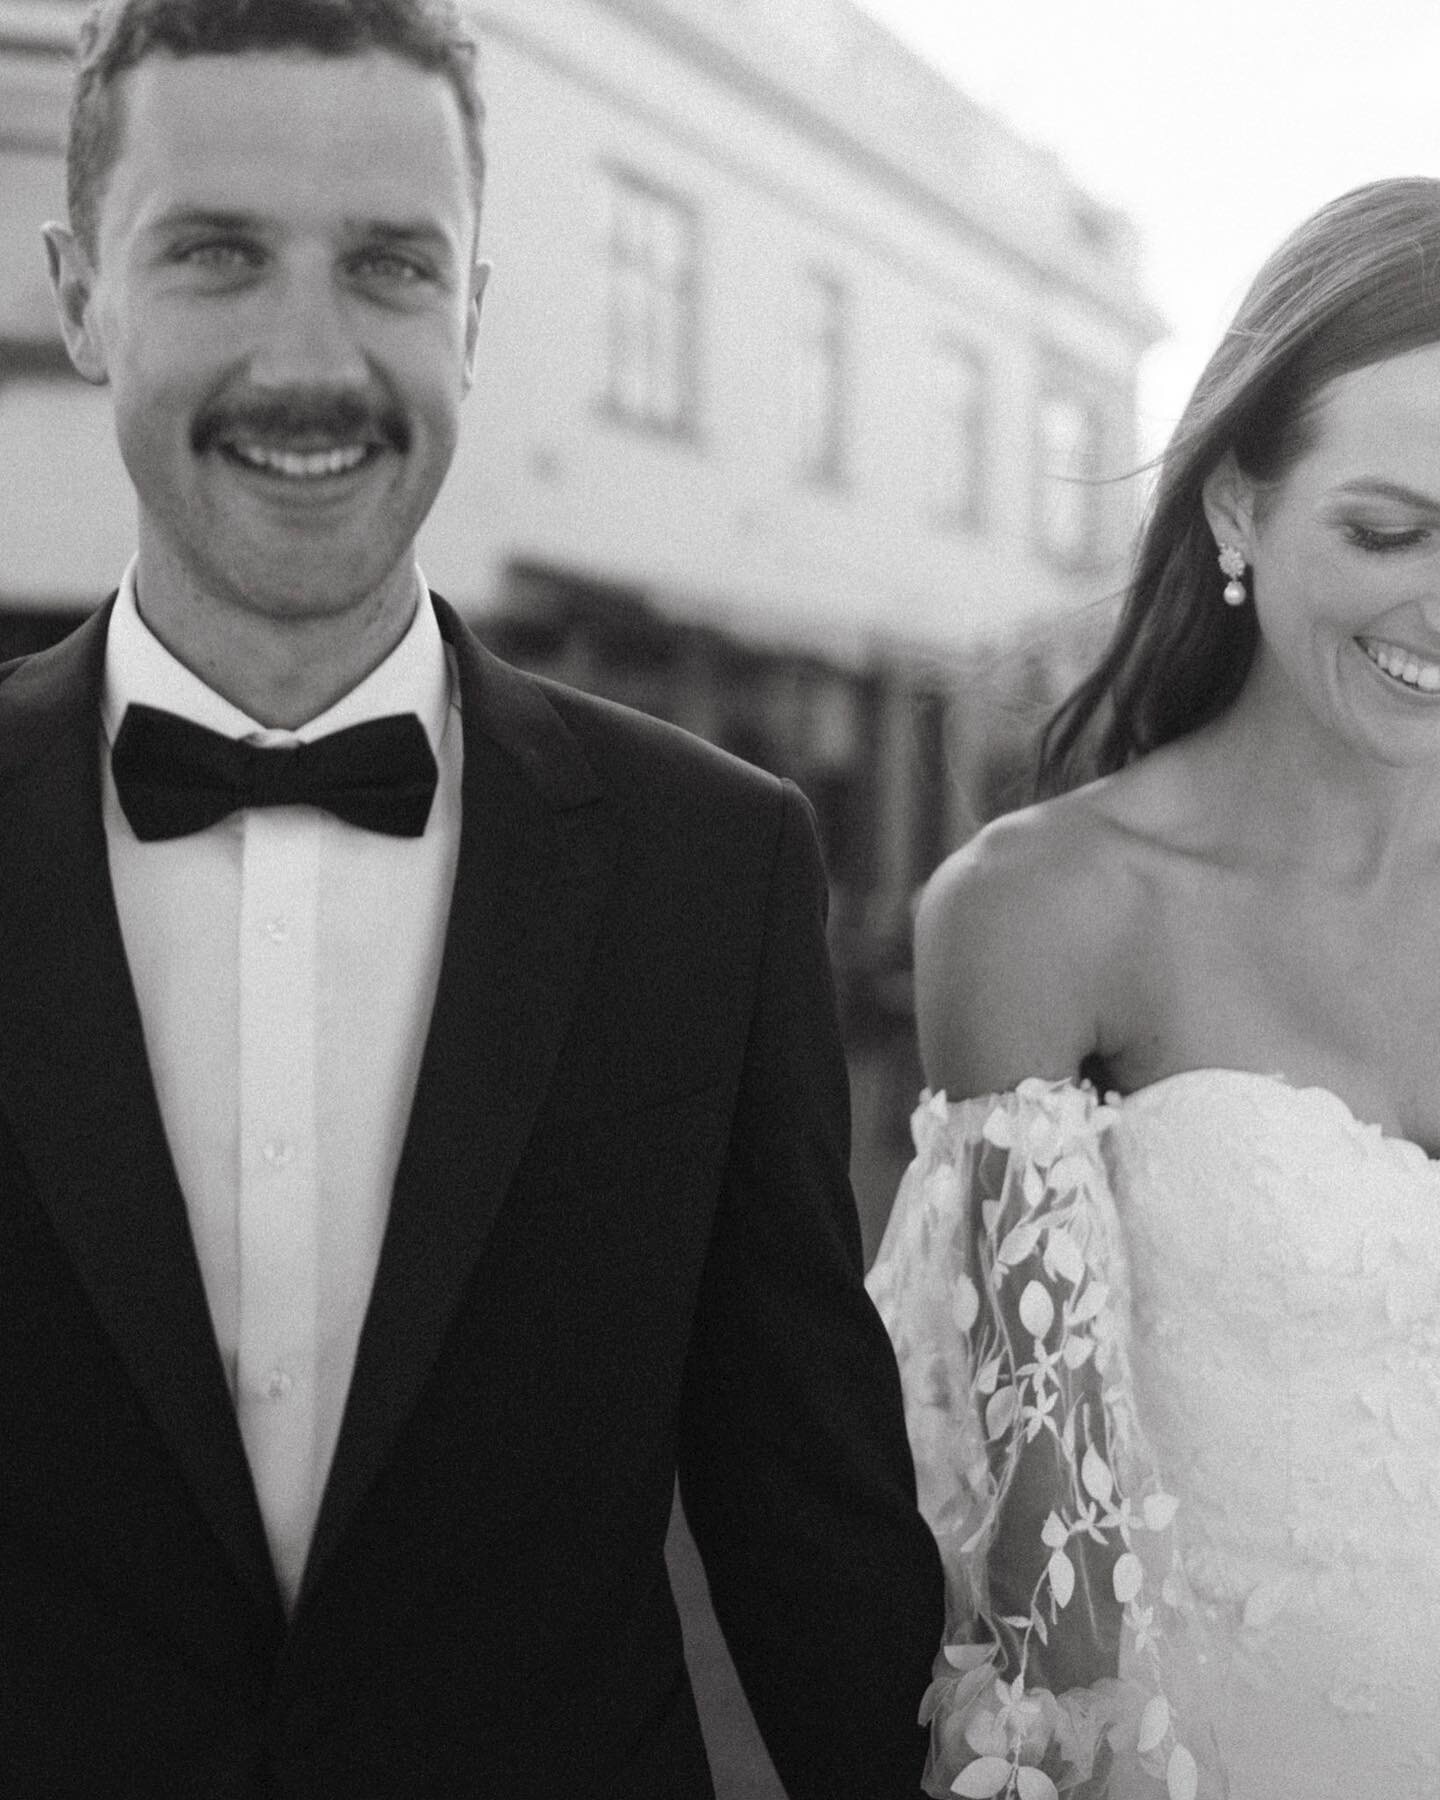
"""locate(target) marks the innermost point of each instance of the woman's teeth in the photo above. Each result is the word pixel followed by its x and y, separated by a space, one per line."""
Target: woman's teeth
pixel 1403 665
pixel 300 466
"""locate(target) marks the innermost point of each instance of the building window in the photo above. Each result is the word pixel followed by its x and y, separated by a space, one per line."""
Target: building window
pixel 1068 459
pixel 651 378
pixel 958 453
pixel 820 381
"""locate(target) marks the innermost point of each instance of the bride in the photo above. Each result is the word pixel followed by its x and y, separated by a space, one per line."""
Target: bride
pixel 1164 1277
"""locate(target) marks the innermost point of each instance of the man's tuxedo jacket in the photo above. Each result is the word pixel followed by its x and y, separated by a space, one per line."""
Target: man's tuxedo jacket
pixel 621 1241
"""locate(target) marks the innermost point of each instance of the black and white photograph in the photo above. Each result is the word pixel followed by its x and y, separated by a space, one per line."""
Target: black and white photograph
pixel 719 885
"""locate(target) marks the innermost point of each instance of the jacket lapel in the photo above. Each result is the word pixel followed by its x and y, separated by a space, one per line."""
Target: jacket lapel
pixel 77 1091
pixel 537 849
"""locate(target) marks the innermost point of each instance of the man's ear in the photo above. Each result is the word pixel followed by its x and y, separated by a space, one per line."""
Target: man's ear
pixel 1229 499
pixel 72 276
pixel 479 276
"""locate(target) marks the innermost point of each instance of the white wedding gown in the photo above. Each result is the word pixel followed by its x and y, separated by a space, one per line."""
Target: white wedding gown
pixel 1180 1351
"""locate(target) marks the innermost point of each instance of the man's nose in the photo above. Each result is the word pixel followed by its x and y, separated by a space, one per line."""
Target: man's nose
pixel 308 338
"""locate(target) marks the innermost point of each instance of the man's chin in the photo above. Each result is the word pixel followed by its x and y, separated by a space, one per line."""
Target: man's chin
pixel 315 582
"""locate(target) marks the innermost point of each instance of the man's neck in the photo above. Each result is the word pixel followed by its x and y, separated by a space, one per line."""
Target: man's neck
pixel 281 668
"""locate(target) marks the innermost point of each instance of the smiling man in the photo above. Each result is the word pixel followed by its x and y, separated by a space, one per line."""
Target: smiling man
pixel 276 276
pixel 422 1120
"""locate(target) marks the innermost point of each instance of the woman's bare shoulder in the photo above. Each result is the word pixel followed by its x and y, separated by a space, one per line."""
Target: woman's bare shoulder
pixel 1017 939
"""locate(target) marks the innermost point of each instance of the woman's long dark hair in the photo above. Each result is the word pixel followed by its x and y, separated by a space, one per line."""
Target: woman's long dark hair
pixel 1358 282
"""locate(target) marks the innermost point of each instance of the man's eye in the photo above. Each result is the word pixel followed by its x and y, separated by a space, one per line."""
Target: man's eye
pixel 223 256
pixel 389 265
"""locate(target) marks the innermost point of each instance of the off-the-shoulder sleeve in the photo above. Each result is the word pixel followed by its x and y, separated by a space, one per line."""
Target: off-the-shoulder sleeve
pixel 1074 1661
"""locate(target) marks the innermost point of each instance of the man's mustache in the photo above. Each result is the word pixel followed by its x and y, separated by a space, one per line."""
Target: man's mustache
pixel 304 413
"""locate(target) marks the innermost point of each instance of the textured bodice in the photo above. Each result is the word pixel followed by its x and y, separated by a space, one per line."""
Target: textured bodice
pixel 1285 1286
pixel 1266 1364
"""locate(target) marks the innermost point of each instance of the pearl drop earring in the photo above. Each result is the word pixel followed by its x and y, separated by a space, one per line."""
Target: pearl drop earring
pixel 1232 563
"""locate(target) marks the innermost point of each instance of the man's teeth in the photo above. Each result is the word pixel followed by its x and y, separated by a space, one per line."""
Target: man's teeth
pixel 300 466
pixel 1403 665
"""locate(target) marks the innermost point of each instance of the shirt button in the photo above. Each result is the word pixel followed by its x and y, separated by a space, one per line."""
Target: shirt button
pixel 278 1153
pixel 278 1384
pixel 277 929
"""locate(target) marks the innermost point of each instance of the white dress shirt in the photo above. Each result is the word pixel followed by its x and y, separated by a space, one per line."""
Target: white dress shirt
pixel 285 966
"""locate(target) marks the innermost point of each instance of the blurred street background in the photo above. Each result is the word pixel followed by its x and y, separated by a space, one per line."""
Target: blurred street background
pixel 824 343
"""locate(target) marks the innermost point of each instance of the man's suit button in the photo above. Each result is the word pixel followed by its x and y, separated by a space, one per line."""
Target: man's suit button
pixel 279 1384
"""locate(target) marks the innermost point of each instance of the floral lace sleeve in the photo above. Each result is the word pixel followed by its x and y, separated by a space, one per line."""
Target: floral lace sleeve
pixel 1002 1280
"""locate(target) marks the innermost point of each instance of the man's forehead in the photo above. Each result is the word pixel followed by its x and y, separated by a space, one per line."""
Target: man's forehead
pixel 368 136
pixel 372 94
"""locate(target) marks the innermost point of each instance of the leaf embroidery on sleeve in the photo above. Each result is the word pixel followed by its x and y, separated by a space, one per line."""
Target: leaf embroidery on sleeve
pixel 1003 1284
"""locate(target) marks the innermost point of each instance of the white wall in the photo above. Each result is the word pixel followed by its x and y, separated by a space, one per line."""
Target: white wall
pixel 66 511
pixel 721 527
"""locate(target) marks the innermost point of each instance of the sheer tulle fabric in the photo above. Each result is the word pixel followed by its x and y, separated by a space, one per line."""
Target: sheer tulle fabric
pixel 1075 1660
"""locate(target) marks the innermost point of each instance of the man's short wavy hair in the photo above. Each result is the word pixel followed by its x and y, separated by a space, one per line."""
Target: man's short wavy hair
pixel 119 34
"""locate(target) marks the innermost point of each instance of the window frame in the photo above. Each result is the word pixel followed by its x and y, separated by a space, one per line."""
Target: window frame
pixel 952 510
pixel 678 296
pixel 821 456
pixel 1068 385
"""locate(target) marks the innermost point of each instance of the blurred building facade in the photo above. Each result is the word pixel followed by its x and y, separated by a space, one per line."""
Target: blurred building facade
pixel 801 381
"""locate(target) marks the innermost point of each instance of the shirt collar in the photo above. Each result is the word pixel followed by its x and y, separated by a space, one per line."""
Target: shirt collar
pixel 416 677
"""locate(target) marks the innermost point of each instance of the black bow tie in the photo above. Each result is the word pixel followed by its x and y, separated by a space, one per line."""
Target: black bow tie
pixel 174 777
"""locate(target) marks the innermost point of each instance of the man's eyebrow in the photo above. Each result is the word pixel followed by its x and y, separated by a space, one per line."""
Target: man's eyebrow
pixel 1372 487
pixel 206 218
pixel 415 233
